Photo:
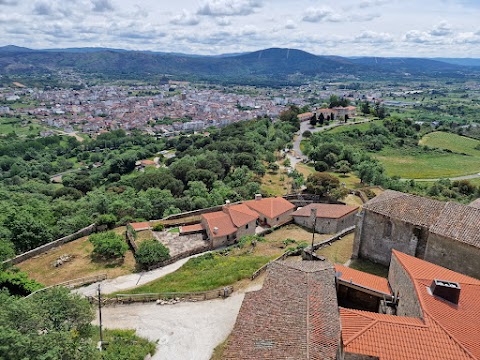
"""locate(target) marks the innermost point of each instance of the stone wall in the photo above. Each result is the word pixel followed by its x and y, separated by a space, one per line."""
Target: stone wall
pixel 454 255
pixel 284 218
pixel 401 284
pixel 378 235
pixel 44 248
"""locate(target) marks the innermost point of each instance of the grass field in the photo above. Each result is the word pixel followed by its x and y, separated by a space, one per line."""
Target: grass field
pixel 276 184
pixel 340 251
pixel 453 142
pixel 369 267
pixel 361 127
pixel 427 165
pixel 41 269
pixel 207 272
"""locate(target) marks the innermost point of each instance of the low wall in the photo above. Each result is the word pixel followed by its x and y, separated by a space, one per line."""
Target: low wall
pixel 192 296
pixel 131 236
pixel 180 256
pixel 335 237
pixel 41 249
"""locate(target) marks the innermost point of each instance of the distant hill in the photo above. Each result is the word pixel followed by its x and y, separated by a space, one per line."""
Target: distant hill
pixel 460 61
pixel 270 65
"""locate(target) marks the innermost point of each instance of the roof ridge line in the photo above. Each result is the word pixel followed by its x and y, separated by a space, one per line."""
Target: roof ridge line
pixel 454 339
pixel 362 331
pixel 425 311
pixel 308 315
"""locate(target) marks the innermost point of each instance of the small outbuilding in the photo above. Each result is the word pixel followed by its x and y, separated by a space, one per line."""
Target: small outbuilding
pixel 330 218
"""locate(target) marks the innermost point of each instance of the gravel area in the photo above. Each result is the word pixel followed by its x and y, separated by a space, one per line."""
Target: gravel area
pixel 185 331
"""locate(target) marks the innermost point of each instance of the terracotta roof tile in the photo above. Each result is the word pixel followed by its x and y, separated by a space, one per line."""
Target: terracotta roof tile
pixel 191 228
pixel 294 316
pixel 459 222
pixel 363 279
pixel 460 321
pixel 221 221
pixel 413 209
pixel 397 338
pixel 240 214
pixel 329 211
pixel 270 207
pixel 140 226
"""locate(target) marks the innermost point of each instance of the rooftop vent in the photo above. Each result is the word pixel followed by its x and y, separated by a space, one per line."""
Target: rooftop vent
pixel 447 290
pixel 258 196
pixel 215 230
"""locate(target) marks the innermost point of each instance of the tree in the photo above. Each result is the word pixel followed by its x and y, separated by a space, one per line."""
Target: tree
pixel 343 167
pixel 307 134
pixel 322 184
pixel 346 117
pixel 321 119
pixel 365 108
pixel 108 245
pixel 313 120
pixel 151 252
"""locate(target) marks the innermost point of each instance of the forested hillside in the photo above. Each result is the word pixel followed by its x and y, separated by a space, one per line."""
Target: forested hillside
pixel 101 183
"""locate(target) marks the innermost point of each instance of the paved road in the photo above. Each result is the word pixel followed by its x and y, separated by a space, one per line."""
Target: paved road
pixel 132 280
pixel 466 177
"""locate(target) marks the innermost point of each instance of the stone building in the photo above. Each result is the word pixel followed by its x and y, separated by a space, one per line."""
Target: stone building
pixel 294 316
pixel 437 316
pixel 443 233
pixel 331 218
pixel 227 226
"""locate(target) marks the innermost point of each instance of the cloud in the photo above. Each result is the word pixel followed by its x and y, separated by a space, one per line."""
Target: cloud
pixel 415 36
pixel 223 21
pixel 323 14
pixel 102 5
pixel 229 7
pixel 9 2
pixel 442 29
pixel 369 36
pixel 290 24
pixel 43 8
pixel 371 3
pixel 185 18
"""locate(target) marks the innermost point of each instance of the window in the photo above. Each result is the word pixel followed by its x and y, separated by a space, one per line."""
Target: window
pixel 246 226
pixel 387 230
pixel 278 219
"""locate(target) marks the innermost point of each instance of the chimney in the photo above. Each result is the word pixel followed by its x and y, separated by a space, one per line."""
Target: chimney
pixel 446 290
pixel 227 202
pixel 258 196
pixel 215 230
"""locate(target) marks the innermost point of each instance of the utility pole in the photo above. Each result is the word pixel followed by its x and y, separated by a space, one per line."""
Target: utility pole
pixel 314 220
pixel 100 317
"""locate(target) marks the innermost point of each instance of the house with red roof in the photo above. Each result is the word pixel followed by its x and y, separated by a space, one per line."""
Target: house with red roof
pixel 229 225
pixel 272 211
pixel 330 218
pixel 437 316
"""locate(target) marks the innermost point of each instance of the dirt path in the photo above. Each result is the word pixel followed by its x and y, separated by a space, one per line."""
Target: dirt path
pixel 185 331
pixel 458 178
pixel 132 280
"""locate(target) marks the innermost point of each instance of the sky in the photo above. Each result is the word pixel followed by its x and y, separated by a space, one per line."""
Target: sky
pixel 402 28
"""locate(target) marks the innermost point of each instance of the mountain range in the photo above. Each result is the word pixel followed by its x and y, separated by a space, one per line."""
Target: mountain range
pixel 273 64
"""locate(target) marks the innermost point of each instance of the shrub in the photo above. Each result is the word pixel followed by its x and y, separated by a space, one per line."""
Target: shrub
pixel 151 252
pixel 108 245
pixel 107 219
pixel 321 166
pixel 158 227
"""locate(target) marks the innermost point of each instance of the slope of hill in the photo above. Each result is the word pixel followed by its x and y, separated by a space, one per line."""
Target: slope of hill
pixel 272 64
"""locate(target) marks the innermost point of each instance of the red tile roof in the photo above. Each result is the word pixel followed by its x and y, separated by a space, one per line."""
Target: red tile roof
pixel 140 226
pixel 447 331
pixel 397 338
pixel 270 207
pixel 191 228
pixel 222 222
pixel 240 214
pixel 461 322
pixel 363 279
pixel 294 315
pixel 329 211
pixel 229 219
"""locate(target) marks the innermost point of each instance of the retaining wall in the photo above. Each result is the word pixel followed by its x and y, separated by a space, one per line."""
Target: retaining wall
pixel 41 249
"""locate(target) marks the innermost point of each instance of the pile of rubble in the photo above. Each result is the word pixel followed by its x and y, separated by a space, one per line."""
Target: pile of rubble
pixel 62 259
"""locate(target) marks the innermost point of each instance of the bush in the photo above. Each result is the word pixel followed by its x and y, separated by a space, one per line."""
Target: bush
pixel 158 227
pixel 321 166
pixel 108 245
pixel 151 252
pixel 107 219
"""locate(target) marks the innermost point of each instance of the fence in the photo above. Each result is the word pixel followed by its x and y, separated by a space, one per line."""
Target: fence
pixel 71 284
pixel 41 249
pixel 197 296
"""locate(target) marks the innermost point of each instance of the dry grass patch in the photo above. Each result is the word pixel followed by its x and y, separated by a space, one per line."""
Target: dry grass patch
pixel 340 251
pixel 41 269
pixel 294 232
pixel 276 183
